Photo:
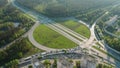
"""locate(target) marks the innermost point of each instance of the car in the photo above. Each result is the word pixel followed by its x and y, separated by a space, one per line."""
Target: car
pixel 28 58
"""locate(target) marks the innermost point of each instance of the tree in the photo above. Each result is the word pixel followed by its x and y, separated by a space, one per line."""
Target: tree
pixel 12 64
pixel 47 63
pixel 78 64
pixel 55 63
pixel 20 54
pixel 30 66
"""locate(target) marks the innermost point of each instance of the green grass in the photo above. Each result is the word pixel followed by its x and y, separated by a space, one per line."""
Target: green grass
pixel 52 39
pixel 30 17
pixel 77 27
pixel 117 33
pixel 104 65
pixel 33 49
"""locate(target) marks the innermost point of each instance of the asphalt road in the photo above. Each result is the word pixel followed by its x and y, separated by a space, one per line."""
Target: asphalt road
pixel 33 41
pixel 64 34
pixel 86 45
pixel 109 23
pixel 75 34
pixel 92 30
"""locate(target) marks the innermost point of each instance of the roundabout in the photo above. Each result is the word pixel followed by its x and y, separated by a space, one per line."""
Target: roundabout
pixel 49 38
pixel 71 35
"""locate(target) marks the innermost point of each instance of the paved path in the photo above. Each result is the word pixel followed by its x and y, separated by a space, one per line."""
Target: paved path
pixel 64 34
pixel 109 23
pixel 93 37
pixel 70 31
pixel 33 41
pixel 45 19
pixel 41 47
pixel 112 51
pixel 30 32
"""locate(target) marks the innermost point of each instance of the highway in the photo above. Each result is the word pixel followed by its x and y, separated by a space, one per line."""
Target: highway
pixel 70 53
pixel 106 47
pixel 41 18
pixel 33 41
pixel 111 50
pixel 75 34
pixel 64 34
pixel 109 23
pixel 24 35
pixel 61 31
pixel 92 30
pixel 30 34
pixel 80 21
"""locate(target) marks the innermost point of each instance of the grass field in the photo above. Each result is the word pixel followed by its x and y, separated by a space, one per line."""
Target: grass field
pixel 52 39
pixel 104 65
pixel 77 27
pixel 33 49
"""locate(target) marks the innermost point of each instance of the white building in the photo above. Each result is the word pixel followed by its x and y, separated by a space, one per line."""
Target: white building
pixel 88 62
pixel 63 63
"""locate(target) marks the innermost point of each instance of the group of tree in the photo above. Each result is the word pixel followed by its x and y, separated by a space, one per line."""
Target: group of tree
pixel 111 41
pixel 9 15
pixel 15 51
pixel 104 66
pixel 91 16
pixel 114 42
pixel 55 63
pixel 63 8
pixel 115 11
pixel 12 64
pixel 86 10
pixel 47 63
pixel 3 3
pixel 78 64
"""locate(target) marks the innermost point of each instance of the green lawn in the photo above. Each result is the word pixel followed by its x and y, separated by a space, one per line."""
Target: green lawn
pixel 52 39
pixel 104 65
pixel 117 33
pixel 77 27
pixel 33 49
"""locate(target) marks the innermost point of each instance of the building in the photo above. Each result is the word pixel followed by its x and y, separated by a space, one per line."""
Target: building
pixel 37 64
pixel 63 63
pixel 88 62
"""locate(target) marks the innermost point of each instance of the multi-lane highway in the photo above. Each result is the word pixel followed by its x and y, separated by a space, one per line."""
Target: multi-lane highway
pixel 111 22
pixel 33 41
pixel 63 31
pixel 64 34
pixel 92 29
pixel 70 31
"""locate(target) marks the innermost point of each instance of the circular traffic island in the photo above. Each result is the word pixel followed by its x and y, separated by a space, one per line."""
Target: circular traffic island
pixel 50 38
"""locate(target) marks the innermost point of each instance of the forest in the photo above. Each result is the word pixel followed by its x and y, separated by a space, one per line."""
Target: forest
pixel 21 48
pixel 70 7
pixel 3 3
pixel 86 10
pixel 110 40
pixel 10 31
pixel 13 23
